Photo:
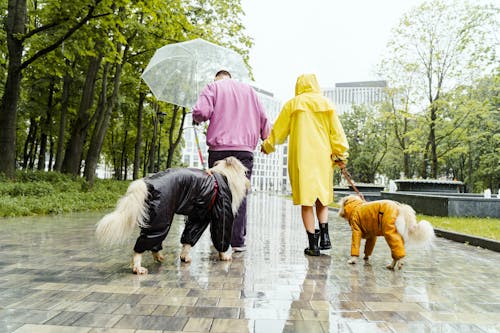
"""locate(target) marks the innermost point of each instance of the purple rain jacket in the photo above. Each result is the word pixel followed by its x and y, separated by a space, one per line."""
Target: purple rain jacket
pixel 205 199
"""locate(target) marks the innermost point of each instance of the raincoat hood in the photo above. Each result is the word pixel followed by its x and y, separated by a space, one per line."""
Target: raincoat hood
pixel 316 140
pixel 350 205
pixel 307 83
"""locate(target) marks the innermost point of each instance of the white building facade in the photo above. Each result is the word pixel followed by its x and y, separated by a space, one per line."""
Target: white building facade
pixel 345 95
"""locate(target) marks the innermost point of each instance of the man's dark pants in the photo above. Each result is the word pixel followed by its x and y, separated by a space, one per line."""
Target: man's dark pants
pixel 240 221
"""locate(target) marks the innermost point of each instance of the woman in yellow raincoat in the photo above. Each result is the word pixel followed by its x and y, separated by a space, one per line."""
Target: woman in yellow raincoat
pixel 317 141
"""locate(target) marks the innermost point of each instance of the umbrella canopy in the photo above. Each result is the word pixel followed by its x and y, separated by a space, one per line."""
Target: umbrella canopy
pixel 178 72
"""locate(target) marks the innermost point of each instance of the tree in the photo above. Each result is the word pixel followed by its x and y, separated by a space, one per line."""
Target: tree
pixel 439 45
pixel 400 122
pixel 472 135
pixel 89 85
pixel 18 34
pixel 368 142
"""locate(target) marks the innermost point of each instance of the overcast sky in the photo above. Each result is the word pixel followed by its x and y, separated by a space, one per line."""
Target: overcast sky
pixel 338 40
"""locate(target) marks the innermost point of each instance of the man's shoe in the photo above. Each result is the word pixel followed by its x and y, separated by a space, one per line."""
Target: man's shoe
pixel 239 248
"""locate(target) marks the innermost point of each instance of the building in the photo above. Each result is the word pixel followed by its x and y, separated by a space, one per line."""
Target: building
pixel 269 171
pixel 347 94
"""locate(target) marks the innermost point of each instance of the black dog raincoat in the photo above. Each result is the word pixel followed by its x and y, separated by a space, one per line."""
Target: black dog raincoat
pixel 204 198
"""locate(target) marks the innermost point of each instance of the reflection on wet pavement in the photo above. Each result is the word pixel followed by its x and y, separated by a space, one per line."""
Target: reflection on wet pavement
pixel 54 277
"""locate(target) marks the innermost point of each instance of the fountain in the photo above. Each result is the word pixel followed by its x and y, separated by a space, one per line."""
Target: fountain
pixel 443 198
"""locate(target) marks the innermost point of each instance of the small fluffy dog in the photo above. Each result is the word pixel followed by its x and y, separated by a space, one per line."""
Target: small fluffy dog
pixel 393 220
pixel 205 197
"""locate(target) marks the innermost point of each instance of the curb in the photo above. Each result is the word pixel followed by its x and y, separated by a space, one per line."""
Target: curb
pixel 485 243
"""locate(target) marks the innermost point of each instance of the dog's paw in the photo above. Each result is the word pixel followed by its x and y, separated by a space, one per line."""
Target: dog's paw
pixel 366 261
pixel 395 264
pixel 225 256
pixel 185 258
pixel 140 270
pixel 157 256
pixel 352 260
pixel 185 253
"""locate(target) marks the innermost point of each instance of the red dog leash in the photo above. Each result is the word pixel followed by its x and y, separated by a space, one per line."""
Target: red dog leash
pixel 347 176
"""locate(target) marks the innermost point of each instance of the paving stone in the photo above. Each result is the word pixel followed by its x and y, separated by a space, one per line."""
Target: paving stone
pixel 55 277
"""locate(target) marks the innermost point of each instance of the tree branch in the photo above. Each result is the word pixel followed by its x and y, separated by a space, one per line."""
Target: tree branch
pixel 41 29
pixel 68 34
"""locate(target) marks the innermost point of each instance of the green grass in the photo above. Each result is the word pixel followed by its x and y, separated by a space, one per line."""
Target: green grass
pixel 482 227
pixel 474 226
pixel 44 193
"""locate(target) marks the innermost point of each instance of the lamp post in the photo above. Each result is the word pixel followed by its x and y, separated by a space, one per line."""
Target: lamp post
pixel 160 115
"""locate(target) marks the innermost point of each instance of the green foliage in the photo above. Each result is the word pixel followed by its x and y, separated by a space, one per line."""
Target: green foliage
pixel 367 135
pixel 437 47
pixel 42 193
pixel 57 45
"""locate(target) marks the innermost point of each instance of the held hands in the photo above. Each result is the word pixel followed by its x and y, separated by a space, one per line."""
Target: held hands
pixel 262 150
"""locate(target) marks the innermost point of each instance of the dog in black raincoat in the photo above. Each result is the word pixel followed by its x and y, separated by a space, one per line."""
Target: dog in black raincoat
pixel 205 197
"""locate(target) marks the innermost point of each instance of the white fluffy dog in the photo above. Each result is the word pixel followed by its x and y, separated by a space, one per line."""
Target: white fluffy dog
pixel 395 221
pixel 209 197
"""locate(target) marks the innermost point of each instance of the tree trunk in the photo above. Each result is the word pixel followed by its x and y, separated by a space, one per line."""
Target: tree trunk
pixel 98 137
pixel 46 128
pixel 138 139
pixel 74 151
pixel 152 151
pixel 100 114
pixel 62 120
pixel 432 142
pixel 145 167
pixel 28 143
pixel 174 144
pixel 123 155
pixel 15 25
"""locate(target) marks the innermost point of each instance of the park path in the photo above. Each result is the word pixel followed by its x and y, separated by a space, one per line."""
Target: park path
pixel 54 277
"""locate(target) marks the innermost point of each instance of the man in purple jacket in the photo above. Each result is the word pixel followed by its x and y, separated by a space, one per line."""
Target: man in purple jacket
pixel 237 121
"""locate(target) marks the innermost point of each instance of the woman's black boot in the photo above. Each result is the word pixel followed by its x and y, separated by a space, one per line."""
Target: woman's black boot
pixel 324 243
pixel 313 249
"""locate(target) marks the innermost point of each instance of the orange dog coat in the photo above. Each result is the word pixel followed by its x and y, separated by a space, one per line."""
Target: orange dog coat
pixel 371 219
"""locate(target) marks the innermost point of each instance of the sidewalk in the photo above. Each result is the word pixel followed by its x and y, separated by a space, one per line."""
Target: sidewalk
pixel 55 278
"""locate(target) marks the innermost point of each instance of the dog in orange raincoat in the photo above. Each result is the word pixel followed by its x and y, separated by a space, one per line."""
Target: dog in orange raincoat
pixel 395 221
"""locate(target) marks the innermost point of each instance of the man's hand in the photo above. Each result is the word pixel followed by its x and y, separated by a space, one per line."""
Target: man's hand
pixel 262 150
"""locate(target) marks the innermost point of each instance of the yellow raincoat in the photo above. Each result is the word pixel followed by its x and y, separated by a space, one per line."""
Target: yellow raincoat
pixel 369 220
pixel 317 139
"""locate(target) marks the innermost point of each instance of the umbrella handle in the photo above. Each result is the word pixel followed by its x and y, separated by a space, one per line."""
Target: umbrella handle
pixel 200 155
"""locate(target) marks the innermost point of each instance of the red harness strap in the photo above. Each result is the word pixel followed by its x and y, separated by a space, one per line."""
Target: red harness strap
pixel 216 188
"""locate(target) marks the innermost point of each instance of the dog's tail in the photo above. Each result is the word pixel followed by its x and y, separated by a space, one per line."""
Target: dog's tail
pixel 421 233
pixel 131 210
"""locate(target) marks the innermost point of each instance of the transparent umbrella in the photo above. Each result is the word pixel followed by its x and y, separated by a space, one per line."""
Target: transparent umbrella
pixel 178 72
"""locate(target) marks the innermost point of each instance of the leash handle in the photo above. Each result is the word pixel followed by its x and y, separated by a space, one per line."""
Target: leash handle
pixel 348 177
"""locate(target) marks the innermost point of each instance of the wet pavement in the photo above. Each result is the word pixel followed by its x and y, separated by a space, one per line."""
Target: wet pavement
pixel 54 277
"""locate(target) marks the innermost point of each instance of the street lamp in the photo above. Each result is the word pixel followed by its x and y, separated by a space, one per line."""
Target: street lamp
pixel 160 115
